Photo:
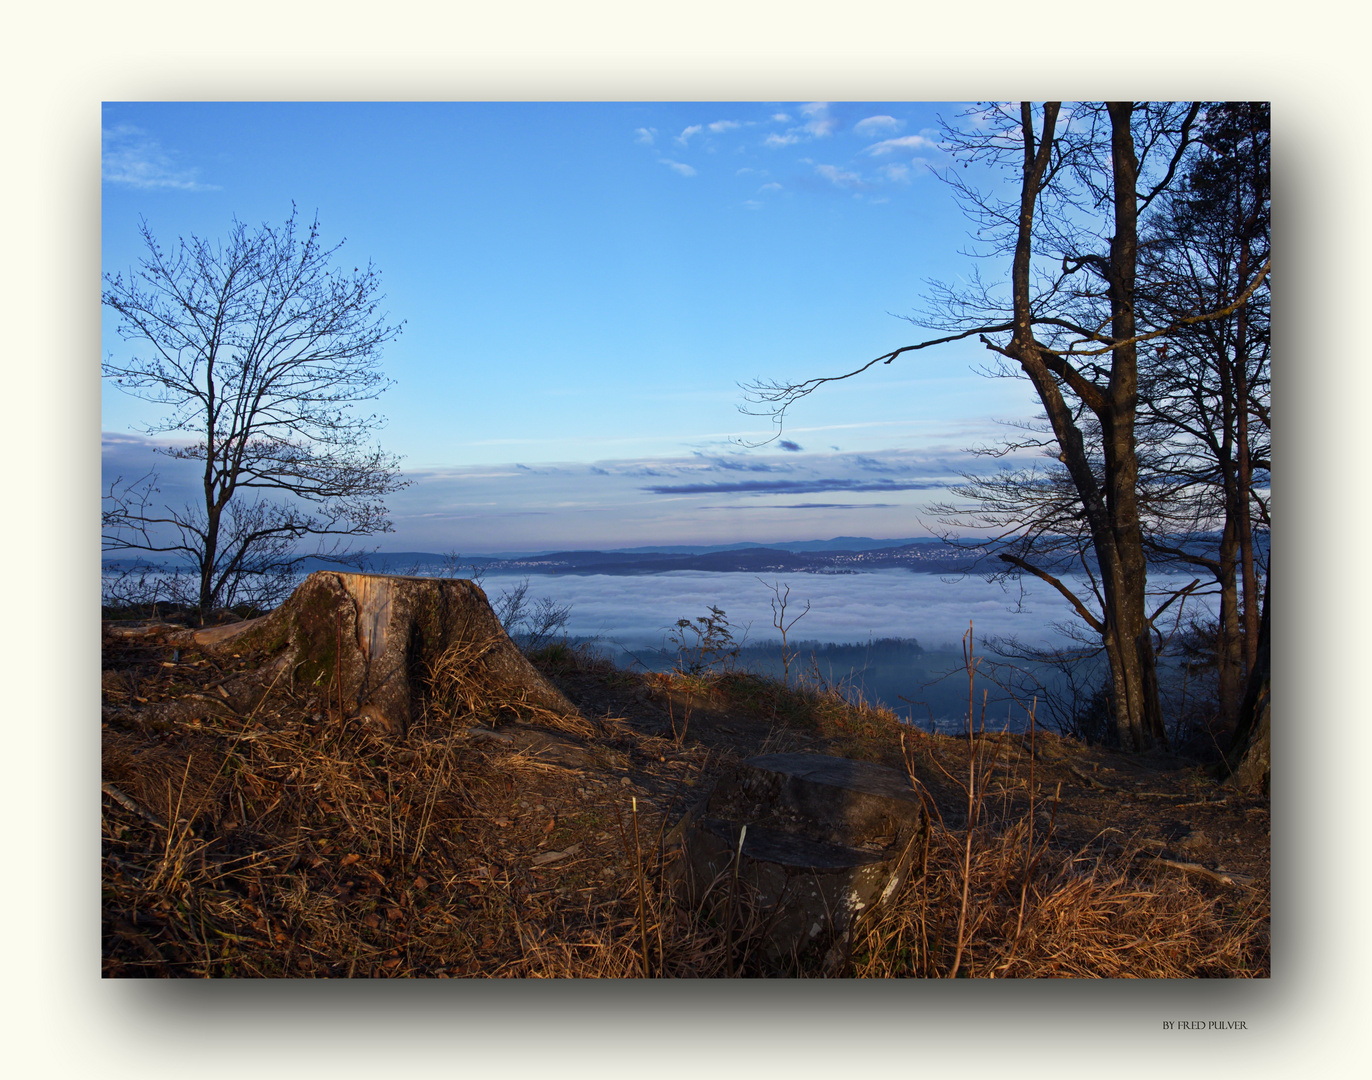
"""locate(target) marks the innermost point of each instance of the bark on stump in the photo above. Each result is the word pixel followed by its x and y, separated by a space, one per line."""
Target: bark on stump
pixel 387 644
pixel 828 841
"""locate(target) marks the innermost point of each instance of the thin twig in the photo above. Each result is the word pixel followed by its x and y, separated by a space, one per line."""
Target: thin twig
pixel 638 871
pixel 131 806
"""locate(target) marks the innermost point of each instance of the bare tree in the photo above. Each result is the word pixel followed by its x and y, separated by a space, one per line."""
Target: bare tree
pixel 1067 321
pixel 531 622
pixel 1205 390
pixel 261 350
pixel 1037 524
pixel 781 597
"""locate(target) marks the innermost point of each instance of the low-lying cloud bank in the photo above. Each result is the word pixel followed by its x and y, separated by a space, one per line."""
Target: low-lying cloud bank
pixel 695 499
pixel 843 607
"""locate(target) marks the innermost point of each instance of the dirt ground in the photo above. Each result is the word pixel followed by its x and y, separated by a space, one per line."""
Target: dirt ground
pixel 271 838
pixel 1103 797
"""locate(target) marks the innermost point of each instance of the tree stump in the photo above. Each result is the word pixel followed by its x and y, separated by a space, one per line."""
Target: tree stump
pixel 828 840
pixel 384 646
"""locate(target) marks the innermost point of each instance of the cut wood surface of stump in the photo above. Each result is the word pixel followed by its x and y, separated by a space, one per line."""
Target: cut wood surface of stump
pixel 384 646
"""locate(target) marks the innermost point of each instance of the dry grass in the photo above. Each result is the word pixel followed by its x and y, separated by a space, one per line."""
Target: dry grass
pixel 1032 911
pixel 845 723
pixel 332 853
pixel 462 688
pixel 287 844
pixel 999 898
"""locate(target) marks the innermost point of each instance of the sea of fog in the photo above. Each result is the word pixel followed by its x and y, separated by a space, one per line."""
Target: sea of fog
pixel 630 618
pixel 937 611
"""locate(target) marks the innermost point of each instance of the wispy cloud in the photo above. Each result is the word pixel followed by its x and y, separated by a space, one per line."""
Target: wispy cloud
pixel 773 186
pixel 129 155
pixel 819 122
pixel 896 465
pixel 804 506
pixel 740 464
pixel 877 125
pixel 536 503
pixel 645 136
pixel 686 134
pixel 906 143
pixel 678 166
pixel 899 174
pixel 840 177
pixel 725 125
pixel 793 487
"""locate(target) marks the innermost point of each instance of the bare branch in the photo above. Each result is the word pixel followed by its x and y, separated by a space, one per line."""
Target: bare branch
pixel 263 349
pixel 1188 320
pixel 1067 593
pixel 783 395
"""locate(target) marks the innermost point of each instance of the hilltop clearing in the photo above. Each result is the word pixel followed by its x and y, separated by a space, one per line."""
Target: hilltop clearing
pixel 266 835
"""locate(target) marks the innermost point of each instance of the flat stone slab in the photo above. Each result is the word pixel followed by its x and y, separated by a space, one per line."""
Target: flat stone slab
pixel 831 798
pixel 543 746
pixel 790 850
pixel 827 841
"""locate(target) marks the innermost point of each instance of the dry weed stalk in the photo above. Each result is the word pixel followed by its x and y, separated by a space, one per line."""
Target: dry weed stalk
pixel 459 679
pixel 1015 906
pixel 463 688
pixel 297 848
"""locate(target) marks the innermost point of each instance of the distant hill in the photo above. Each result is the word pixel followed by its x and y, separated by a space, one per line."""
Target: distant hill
pixel 838 543
pixel 842 554
pixel 812 556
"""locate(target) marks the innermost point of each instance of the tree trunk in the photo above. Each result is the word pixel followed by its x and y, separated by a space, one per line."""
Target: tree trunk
pixel 1139 723
pixel 208 554
pixel 392 650
pixel 1229 644
pixel 1251 629
pixel 1249 761
pixel 1111 508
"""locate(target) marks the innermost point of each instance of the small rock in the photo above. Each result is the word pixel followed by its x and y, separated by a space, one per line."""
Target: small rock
pixel 553 856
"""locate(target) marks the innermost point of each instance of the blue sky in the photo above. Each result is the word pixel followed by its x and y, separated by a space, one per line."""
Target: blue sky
pixel 583 288
pixel 64 65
